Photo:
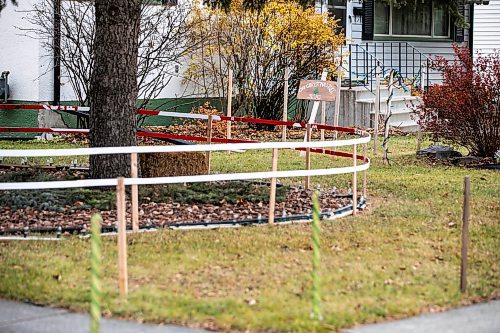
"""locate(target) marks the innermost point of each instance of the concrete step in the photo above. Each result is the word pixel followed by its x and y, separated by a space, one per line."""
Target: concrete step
pixel 394 111
pixel 407 125
pixel 384 100
pixel 367 94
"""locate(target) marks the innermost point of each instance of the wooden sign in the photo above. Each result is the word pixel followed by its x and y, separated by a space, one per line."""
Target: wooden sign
pixel 316 90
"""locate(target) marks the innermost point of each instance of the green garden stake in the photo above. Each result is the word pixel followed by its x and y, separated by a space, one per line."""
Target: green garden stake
pixel 316 230
pixel 96 274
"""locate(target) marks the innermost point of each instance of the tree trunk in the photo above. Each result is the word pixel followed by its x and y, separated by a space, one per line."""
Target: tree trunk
pixel 113 89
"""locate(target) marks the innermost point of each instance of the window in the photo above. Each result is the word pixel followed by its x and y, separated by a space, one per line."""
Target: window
pixel 338 8
pixel 426 19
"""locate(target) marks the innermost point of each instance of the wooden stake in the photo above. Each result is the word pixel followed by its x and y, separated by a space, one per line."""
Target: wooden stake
pixel 307 179
pixel 354 184
pixel 365 148
pixel 323 120
pixel 337 100
pixel 272 195
pixel 229 102
pixel 209 141
pixel 377 112
pixel 122 238
pixel 285 103
pixel 135 193
pixel 465 235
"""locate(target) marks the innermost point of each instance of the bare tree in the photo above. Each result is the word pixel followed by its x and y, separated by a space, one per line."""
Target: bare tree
pixel 162 44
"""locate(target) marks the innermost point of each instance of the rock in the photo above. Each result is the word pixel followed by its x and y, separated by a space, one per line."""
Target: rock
pixel 465 160
pixel 439 152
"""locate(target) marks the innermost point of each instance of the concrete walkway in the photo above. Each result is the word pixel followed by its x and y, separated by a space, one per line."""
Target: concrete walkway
pixel 479 318
pixel 16 317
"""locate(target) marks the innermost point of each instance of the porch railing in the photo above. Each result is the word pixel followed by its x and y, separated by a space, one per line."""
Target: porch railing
pixel 403 57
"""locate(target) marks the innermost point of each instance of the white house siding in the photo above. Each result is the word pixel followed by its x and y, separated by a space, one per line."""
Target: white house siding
pixel 486 28
pixel 30 64
pixel 23 57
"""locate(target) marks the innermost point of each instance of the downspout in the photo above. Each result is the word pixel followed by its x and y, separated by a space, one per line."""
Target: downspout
pixel 471 30
pixel 57 52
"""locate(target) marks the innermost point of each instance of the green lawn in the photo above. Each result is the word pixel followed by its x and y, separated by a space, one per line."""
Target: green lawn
pixel 398 258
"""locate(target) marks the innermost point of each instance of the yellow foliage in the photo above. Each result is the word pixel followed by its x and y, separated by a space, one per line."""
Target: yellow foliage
pixel 258 45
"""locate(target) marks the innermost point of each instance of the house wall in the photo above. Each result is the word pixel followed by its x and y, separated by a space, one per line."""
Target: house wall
pixel 429 48
pixel 28 62
pixel 486 29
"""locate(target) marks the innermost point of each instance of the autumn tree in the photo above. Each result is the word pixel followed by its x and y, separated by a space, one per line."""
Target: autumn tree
pixel 258 44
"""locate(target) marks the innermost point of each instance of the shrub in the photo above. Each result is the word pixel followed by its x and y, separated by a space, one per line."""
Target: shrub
pixel 258 44
pixel 465 109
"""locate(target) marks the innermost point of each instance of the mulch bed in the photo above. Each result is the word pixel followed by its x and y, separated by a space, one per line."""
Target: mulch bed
pixel 298 202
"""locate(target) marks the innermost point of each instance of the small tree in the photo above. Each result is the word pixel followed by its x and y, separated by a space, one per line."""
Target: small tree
pixel 258 43
pixel 465 108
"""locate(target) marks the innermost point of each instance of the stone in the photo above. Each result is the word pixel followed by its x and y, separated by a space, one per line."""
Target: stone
pixel 439 152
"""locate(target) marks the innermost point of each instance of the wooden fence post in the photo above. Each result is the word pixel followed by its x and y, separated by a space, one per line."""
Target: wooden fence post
pixel 323 120
pixel 209 141
pixel 135 193
pixel 307 179
pixel 337 100
pixel 122 238
pixel 354 183
pixel 465 235
pixel 272 195
pixel 285 104
pixel 229 103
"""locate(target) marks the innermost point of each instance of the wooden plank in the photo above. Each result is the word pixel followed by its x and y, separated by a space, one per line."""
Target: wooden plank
pixel 135 193
pixel 323 120
pixel 285 104
pixel 122 238
pixel 272 195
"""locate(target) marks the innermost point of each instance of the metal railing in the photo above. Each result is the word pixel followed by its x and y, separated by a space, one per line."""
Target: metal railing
pixel 400 56
pixel 362 66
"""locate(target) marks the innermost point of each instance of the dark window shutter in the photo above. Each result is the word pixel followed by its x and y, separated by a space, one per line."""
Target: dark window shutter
pixel 460 32
pixel 368 17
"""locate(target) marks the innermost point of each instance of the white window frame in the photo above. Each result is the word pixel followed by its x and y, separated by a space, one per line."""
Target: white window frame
pixel 432 35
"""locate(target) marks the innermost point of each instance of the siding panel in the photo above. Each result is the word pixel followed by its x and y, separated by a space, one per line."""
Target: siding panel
pixel 487 28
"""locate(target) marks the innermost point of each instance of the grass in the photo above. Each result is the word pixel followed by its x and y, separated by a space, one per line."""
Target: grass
pixel 398 258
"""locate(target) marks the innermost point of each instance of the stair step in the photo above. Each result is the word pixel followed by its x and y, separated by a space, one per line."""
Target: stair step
pixel 394 99
pixel 404 124
pixel 394 111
